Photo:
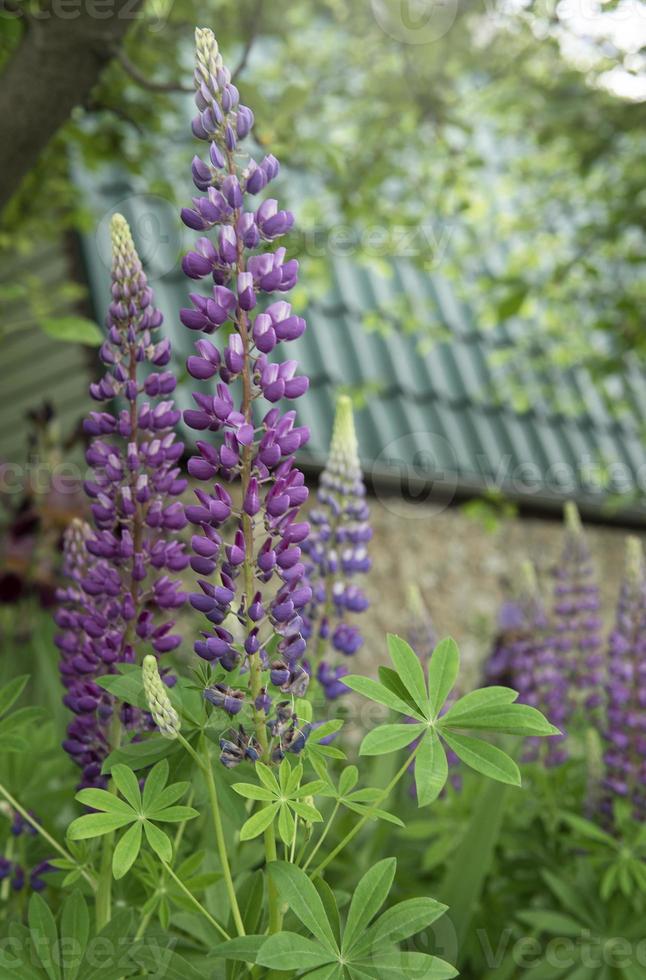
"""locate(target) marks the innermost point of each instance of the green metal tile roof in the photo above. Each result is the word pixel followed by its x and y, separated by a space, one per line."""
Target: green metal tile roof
pixel 430 412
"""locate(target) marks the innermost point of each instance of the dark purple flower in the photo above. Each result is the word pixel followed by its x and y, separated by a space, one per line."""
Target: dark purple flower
pixel 121 570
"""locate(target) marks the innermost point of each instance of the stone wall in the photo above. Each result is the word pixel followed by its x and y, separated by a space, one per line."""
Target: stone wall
pixel 464 571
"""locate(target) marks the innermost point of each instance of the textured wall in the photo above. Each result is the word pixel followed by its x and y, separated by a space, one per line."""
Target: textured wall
pixel 463 570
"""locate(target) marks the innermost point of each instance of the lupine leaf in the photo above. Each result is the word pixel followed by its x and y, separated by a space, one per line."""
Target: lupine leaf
pixel 509 719
pixel 267 777
pixel 330 905
pixel 484 697
pixel 290 951
pixel 96 824
pixel 484 758
pixel 419 965
pixel 302 897
pixel 348 779
pixel 141 755
pixel 407 665
pixel 159 841
pixel 175 814
pixel 306 811
pixel 431 769
pixel 154 784
pixel 332 971
pixel 75 932
pixel 128 785
pixel 369 896
pixel 100 799
pixel 166 798
pixel 251 791
pixel 294 779
pixel 377 692
pixel 10 692
pixel 242 948
pixel 258 822
pixel 327 728
pixel 400 922
pixel 72 329
pixel 44 935
pixel 392 681
pixel 126 851
pixel 286 826
pixel 443 668
pixel 388 738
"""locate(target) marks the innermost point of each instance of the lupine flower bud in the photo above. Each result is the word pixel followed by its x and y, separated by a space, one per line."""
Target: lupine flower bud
pixel 159 705
pixel 336 548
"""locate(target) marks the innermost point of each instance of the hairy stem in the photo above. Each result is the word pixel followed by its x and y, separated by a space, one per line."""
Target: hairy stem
pixel 103 905
pixel 324 834
pixel 207 915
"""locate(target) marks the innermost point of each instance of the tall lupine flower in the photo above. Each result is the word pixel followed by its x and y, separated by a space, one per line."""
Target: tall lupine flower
pixel 121 570
pixel 255 576
pixel 625 735
pixel 525 659
pixel 577 626
pixel 337 550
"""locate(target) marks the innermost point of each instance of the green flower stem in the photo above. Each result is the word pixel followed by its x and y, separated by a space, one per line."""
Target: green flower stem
pixel 377 803
pixel 219 836
pixel 326 830
pixel 204 764
pixel 207 915
pixel 103 904
pixel 45 835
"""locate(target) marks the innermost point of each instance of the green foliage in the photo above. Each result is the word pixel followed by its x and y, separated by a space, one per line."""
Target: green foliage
pixel 404 690
pixel 283 800
pixel 139 813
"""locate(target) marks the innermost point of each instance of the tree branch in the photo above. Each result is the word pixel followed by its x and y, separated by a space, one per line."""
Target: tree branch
pixel 138 76
pixel 54 67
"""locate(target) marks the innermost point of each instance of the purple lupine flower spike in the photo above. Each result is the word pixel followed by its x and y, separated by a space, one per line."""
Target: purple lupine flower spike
pixel 625 738
pixel 577 625
pixel 121 570
pixel 337 546
pixel 255 576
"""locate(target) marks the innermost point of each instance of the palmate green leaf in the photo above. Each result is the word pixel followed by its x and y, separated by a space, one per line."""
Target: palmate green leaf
pixel 406 663
pixel 128 785
pixel 286 826
pixel 9 693
pixel 18 719
pixel 305 811
pixel 97 824
pixel 590 830
pixel 392 681
pixel 302 897
pixel 166 799
pixel 251 791
pixel 508 719
pixel 431 769
pixel 126 851
pixel 327 728
pixel 377 692
pixel 75 932
pixel 369 896
pixel 332 971
pixel 484 697
pixel 443 669
pixel 158 841
pixel 399 922
pixel 72 330
pixel 267 777
pixel 100 799
pixel 388 738
pixel 348 780
pixel 484 758
pixel 328 898
pixel 44 935
pixel 141 755
pixel 309 789
pixel 374 813
pixel 126 687
pixel 154 784
pixel 290 951
pixel 243 949
pixel 175 814
pixel 552 923
pixel 415 965
pixel 259 821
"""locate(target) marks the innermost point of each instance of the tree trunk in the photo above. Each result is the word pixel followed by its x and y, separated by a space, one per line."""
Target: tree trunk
pixel 58 61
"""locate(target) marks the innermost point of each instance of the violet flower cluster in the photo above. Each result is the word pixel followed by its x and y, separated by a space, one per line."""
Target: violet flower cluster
pixel 577 628
pixel 337 553
pixel 121 571
pixel 524 658
pixel 15 870
pixel 252 585
pixel 625 735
